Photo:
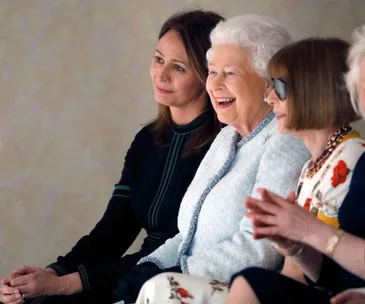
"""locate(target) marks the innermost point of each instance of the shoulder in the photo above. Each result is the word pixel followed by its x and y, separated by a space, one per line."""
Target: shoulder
pixel 285 147
pixel 350 151
pixel 226 136
pixel 143 140
pixel 224 132
pixel 144 135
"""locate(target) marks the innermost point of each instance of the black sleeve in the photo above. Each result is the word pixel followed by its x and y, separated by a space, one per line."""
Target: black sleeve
pixel 114 233
pixel 351 217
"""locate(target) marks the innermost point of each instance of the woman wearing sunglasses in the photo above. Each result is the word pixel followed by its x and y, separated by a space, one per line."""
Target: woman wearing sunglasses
pixel 310 101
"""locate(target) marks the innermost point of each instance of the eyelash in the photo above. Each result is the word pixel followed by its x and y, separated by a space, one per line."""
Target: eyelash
pixel 230 73
pixel 179 68
pixel 159 60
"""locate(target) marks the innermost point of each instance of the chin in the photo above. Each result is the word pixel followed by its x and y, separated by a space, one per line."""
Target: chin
pixel 223 120
pixel 163 101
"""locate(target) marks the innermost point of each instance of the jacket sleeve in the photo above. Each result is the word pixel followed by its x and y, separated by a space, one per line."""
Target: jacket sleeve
pixel 165 256
pixel 113 234
pixel 279 170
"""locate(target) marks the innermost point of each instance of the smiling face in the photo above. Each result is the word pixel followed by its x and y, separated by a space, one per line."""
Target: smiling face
pixel 175 82
pixel 235 89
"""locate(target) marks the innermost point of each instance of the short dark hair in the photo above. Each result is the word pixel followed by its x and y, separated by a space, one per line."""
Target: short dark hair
pixel 314 70
pixel 194 28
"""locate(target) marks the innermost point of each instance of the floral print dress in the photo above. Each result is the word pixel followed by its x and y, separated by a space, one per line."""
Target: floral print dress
pixel 180 288
pixel 322 194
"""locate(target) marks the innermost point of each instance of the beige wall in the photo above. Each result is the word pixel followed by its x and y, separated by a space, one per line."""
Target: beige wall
pixel 74 90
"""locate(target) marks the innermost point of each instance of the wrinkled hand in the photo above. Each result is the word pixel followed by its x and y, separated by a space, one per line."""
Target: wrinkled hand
pixel 349 297
pixel 34 282
pixel 274 216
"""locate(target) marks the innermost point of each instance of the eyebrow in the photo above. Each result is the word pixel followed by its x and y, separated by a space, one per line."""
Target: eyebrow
pixel 211 64
pixel 174 60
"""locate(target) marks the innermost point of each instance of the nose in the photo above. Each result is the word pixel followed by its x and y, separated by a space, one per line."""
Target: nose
pixel 163 74
pixel 271 97
pixel 217 82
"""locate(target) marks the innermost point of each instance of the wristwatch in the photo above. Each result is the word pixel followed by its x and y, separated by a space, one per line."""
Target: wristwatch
pixel 333 241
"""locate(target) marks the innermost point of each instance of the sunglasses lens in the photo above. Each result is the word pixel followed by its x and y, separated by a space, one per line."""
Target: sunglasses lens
pixel 280 88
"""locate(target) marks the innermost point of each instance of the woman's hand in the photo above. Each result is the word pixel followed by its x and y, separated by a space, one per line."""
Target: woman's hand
pixel 274 216
pixel 34 282
pixel 349 297
pixel 9 295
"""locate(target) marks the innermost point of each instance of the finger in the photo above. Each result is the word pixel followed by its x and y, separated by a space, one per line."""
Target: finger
pixel 264 232
pixel 6 289
pixel 261 206
pixel 258 224
pixel 251 204
pixel 6 280
pixel 260 220
pixel 19 271
pixel 343 297
pixel 26 270
pixel 291 197
pixel 21 280
pixel 271 197
pixel 10 298
pixel 26 289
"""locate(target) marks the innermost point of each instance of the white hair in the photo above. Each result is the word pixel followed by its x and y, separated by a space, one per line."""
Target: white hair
pixel 354 60
pixel 261 35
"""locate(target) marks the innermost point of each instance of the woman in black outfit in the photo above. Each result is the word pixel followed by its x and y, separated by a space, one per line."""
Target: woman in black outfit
pixel 158 168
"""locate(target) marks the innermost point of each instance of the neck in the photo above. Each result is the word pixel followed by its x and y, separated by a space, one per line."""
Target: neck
pixel 252 121
pixel 316 140
pixel 184 115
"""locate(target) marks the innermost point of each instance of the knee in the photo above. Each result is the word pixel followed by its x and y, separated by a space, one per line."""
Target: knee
pixel 153 288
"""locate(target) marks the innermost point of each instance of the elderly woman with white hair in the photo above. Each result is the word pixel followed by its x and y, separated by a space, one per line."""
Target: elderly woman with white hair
pixel 214 239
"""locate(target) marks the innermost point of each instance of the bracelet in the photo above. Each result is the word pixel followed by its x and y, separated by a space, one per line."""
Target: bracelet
pixel 333 242
pixel 297 252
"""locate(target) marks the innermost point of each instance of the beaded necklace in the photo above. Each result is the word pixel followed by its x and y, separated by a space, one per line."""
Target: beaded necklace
pixel 314 166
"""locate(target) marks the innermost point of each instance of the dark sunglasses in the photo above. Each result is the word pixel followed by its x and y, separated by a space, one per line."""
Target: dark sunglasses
pixel 280 87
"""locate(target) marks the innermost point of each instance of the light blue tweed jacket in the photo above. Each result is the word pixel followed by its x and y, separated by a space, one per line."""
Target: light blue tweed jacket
pixel 215 238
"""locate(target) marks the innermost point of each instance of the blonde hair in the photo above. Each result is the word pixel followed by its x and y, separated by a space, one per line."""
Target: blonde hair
pixel 354 60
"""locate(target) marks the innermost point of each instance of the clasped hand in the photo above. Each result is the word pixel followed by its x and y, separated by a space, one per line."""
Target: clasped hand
pixel 30 281
pixel 280 220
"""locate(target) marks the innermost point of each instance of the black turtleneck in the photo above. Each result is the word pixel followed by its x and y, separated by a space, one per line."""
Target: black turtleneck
pixel 148 195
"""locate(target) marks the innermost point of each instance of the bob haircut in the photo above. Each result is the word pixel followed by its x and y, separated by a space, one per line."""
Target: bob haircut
pixel 313 69
pixel 354 60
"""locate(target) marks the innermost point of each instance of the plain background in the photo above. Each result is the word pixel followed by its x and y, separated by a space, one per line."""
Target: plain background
pixel 75 88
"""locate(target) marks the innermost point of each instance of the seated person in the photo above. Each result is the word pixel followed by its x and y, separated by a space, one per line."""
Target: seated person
pixel 323 235
pixel 158 168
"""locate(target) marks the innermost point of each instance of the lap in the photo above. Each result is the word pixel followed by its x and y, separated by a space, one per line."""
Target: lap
pixel 178 288
pixel 83 298
pixel 272 287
